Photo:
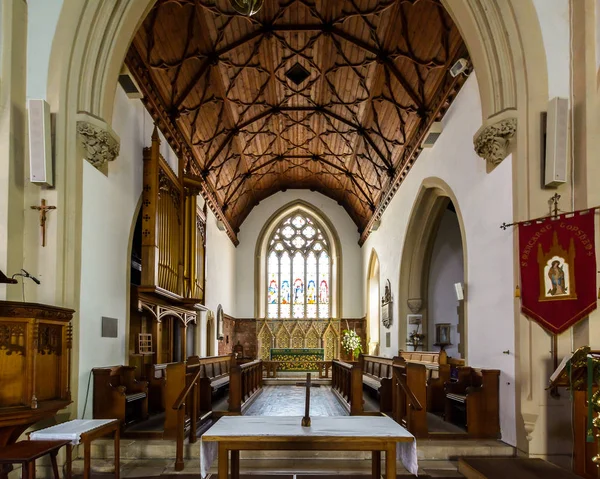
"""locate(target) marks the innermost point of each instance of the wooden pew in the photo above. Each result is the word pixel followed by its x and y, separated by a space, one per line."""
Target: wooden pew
pixel 377 375
pixel 118 395
pixel 476 394
pixel 156 374
pixel 346 383
pixel 214 376
pixel 245 382
pixel 409 396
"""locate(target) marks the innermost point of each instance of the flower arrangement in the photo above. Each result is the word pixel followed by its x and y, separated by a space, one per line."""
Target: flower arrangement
pixel 351 342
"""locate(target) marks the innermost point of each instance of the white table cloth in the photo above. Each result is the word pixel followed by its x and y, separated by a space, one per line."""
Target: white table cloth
pixel 367 427
pixel 68 431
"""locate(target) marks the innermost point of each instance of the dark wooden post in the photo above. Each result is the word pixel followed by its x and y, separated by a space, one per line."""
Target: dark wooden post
pixel 356 393
pixel 235 389
pixel 416 380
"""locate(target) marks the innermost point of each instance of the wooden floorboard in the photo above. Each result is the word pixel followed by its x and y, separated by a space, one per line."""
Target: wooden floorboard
pixel 515 467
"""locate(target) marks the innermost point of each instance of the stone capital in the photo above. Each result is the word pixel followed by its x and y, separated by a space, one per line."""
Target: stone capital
pixel 492 142
pixel 414 304
pixel 100 142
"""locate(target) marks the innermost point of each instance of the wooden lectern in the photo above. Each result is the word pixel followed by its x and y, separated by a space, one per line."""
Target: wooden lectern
pixel 35 363
pixel 573 374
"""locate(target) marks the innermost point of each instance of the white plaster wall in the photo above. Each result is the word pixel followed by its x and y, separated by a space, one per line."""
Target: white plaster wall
pixel 353 291
pixel 220 268
pixel 485 201
pixel 109 205
pixel 42 19
pixel 446 269
pixel 553 16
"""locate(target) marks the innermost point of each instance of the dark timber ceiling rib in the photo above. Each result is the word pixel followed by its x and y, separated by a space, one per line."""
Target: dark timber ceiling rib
pixel 216 84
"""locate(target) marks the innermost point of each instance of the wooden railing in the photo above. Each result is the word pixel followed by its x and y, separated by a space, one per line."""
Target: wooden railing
pixel 346 382
pixel 187 401
pixel 409 396
pixel 323 367
pixel 244 382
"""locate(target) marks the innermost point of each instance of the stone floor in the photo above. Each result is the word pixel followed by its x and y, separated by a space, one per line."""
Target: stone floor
pixel 289 401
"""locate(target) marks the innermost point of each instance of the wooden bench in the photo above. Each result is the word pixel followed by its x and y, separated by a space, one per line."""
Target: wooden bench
pixel 377 375
pixel 409 396
pixel 118 395
pixel 156 374
pixel 473 401
pixel 214 376
pixel 346 383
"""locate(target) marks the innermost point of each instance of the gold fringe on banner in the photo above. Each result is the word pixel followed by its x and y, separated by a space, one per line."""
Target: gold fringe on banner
pixel 518 292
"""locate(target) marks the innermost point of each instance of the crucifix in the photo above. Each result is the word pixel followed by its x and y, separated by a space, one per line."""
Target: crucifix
pixel 554 204
pixel 306 418
pixel 43 209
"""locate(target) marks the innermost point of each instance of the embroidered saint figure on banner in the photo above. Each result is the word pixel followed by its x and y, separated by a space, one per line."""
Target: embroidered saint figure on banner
pixel 557 274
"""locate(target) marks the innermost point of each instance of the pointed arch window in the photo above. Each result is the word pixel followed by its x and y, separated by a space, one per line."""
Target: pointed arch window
pixel 298 270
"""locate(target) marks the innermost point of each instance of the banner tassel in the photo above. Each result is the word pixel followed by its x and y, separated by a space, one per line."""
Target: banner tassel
pixel 518 292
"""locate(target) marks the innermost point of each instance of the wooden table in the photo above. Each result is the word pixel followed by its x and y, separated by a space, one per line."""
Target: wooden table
pixel 84 431
pixel 340 433
pixel 26 452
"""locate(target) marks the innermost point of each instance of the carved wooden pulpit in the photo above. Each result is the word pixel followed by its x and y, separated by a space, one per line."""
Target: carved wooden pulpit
pixel 573 374
pixel 35 362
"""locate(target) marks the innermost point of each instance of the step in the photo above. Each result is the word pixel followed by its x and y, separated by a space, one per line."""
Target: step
pixel 427 449
pixel 516 467
pixel 155 467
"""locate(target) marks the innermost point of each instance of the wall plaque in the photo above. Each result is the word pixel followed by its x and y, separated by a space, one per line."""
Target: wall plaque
pixel 386 306
pixel 110 327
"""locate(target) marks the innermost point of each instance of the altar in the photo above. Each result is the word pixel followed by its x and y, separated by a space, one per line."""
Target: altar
pixel 297 359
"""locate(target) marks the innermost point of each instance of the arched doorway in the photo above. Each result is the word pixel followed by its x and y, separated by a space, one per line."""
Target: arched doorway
pixel 432 217
pixel 373 295
pixel 446 279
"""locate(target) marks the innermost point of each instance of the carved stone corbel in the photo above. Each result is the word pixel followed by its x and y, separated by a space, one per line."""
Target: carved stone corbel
pixel 492 142
pixel 100 142
pixel 414 304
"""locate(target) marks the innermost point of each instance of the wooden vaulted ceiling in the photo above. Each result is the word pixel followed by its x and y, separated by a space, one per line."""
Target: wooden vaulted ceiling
pixel 216 84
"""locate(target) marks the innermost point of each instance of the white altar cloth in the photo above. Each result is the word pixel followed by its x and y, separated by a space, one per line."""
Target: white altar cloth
pixel 367 427
pixel 68 431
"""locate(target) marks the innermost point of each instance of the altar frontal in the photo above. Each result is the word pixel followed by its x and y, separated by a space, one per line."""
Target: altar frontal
pixel 304 359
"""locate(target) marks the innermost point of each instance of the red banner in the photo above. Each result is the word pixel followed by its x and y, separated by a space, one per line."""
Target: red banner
pixel 558 270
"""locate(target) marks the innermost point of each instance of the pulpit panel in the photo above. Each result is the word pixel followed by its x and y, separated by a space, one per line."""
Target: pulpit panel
pixel 13 365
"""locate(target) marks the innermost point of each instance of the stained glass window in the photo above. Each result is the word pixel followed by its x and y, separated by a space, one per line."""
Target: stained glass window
pixel 298 270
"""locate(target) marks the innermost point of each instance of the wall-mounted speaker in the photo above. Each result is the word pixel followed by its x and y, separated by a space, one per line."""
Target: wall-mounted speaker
pixel 40 143
pixel 557 142
pixel 458 288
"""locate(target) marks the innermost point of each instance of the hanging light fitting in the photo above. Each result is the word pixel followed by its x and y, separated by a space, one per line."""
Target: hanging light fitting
pixel 247 7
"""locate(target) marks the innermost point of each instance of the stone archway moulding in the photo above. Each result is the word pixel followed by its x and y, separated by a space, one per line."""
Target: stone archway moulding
pixel 92 37
pixel 429 206
pixel 373 274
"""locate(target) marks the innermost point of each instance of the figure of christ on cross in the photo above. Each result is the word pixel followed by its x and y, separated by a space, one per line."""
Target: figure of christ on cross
pixel 43 209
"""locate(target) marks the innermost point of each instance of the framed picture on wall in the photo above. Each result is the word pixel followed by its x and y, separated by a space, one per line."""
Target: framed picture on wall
pixel 442 334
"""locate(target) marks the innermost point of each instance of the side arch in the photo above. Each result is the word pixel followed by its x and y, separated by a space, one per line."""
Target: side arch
pixel 428 208
pixel 373 293
pixel 261 249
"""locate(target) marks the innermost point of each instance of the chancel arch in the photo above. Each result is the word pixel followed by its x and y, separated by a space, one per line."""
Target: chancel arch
pixel 429 208
pixel 373 305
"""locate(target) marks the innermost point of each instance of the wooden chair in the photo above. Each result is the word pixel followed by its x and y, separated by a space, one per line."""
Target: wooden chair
pixel 118 395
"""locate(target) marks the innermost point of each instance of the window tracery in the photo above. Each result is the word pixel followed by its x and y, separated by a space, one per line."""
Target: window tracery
pixel 298 270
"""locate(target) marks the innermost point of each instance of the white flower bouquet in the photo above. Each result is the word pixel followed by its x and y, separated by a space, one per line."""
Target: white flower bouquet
pixel 351 342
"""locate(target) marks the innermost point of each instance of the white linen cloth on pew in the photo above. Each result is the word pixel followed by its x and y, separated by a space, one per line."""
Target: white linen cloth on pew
pixel 337 426
pixel 68 431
